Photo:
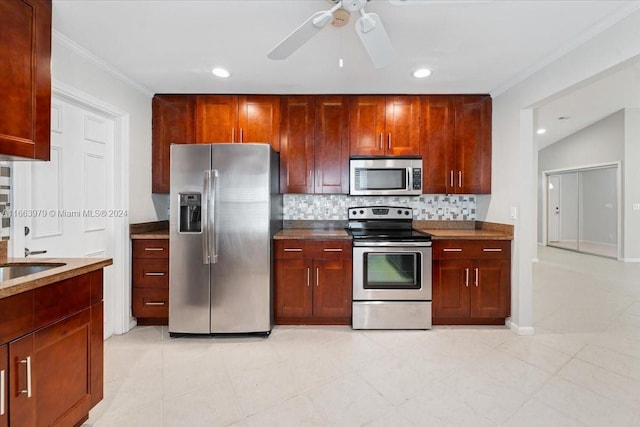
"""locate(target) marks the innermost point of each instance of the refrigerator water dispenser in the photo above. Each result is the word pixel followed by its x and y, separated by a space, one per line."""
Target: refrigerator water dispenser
pixel 190 212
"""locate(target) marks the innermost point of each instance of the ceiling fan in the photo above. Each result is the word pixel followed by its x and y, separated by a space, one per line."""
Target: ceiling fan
pixel 368 26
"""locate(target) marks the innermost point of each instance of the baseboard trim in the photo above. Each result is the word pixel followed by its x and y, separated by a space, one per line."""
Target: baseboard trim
pixel 520 330
pixel 630 259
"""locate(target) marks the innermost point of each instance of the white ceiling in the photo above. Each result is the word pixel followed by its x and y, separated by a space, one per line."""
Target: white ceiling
pixel 471 46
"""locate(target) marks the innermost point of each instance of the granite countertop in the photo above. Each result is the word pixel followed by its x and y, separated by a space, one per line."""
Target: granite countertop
pixel 312 233
pixel 465 230
pixel 72 267
pixel 151 235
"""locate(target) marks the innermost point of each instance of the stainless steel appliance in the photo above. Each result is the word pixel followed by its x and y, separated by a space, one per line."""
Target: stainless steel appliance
pixel 224 210
pixel 391 269
pixel 385 176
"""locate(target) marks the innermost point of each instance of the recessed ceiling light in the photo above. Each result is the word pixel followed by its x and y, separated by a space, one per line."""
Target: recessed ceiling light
pixel 220 72
pixel 541 131
pixel 421 73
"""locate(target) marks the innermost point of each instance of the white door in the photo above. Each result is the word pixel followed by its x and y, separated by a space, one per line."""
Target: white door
pixel 71 195
pixel 553 206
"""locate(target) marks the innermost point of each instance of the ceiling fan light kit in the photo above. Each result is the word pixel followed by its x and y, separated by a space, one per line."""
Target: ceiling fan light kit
pixel 369 27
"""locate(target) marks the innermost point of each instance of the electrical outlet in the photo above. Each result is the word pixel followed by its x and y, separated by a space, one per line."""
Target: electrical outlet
pixel 327 211
pixel 447 210
pixel 636 206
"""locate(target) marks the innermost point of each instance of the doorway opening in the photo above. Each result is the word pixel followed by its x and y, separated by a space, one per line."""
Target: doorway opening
pixel 583 209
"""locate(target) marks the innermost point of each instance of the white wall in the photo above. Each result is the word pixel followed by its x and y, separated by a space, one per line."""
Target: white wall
pixel 631 184
pixel 72 66
pixel 602 142
pixel 515 155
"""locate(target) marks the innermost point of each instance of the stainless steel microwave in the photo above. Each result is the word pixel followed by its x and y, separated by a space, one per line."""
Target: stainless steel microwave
pixel 385 176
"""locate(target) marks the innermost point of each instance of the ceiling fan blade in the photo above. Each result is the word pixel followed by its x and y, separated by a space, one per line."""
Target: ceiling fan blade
pixel 301 35
pixel 375 39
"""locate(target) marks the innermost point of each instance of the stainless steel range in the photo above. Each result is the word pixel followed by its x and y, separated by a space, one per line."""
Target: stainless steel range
pixel 391 269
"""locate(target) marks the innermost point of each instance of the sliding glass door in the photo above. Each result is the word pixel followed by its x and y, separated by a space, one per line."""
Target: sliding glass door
pixel 582 210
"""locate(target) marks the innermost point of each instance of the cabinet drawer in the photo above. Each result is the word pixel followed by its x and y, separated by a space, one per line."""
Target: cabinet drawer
pixel 466 249
pixel 289 249
pixel 151 273
pixel 329 249
pixel 152 248
pixel 149 302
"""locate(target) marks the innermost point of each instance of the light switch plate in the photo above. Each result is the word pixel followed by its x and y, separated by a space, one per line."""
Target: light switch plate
pixel 514 213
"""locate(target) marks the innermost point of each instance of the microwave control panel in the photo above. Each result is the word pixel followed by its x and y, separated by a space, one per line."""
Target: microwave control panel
pixel 417 178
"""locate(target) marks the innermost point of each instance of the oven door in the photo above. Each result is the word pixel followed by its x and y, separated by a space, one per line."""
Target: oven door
pixel 392 271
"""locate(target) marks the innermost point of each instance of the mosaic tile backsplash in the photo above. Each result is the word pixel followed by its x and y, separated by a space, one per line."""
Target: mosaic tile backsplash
pixel 5 199
pixel 334 207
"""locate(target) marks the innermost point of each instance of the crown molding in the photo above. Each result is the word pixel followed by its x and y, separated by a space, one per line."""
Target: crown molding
pixel 65 41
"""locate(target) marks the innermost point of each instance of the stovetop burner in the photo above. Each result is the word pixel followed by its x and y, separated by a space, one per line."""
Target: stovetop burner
pixel 386 223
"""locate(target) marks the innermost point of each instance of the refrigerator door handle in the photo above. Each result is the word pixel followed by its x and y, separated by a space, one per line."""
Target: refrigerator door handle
pixel 211 227
pixel 206 257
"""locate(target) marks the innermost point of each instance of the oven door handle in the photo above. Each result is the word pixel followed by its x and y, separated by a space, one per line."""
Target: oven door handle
pixel 394 244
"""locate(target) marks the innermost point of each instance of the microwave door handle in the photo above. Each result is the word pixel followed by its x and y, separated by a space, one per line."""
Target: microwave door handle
pixel 409 180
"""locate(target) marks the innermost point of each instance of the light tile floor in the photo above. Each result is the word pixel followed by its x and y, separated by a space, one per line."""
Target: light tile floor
pixel 581 368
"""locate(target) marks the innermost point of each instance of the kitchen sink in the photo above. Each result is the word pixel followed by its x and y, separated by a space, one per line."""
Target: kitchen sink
pixel 13 271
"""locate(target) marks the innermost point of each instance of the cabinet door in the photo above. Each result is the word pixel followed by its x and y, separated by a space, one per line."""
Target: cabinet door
pixel 473 145
pixel 451 282
pixel 22 379
pixel 259 120
pixel 216 118
pixel 402 126
pixel 4 386
pixel 437 143
pixel 293 293
pixel 367 125
pixel 173 122
pixel 490 289
pixel 296 144
pixel 331 145
pixel 25 78
pixel 332 288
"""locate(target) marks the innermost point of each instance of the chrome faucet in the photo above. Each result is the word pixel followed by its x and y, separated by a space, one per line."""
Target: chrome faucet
pixel 27 252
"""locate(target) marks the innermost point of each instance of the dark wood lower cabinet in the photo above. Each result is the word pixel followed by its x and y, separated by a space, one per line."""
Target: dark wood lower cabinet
pixel 53 375
pixel 471 282
pixel 313 282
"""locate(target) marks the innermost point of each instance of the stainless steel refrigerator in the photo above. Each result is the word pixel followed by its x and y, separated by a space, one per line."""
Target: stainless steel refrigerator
pixel 225 207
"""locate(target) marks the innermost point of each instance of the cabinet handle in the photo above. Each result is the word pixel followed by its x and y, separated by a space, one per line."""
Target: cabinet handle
pixel 155 303
pixel 460 179
pixel 332 250
pixel 27 362
pixel 153 249
pixel 241 136
pixel 491 250
pixel 476 270
pixel 389 141
pixel 2 397
pixel 317 276
pixel 451 179
pixel 153 274
pixel 233 135
pixel 293 249
pixel 308 278
pixel 380 141
pixel 452 250
pixel 466 277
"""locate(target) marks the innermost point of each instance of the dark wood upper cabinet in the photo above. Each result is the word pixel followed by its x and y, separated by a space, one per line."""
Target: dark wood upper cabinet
pixel 331 145
pixel 456 144
pixel 296 144
pixel 231 118
pixel 385 125
pixel 173 122
pixel 25 79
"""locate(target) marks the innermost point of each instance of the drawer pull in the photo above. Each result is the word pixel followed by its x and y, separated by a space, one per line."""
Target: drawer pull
pixel 333 250
pixel 154 249
pixel 452 250
pixel 155 303
pixel 293 249
pixel 153 274
pixel 491 250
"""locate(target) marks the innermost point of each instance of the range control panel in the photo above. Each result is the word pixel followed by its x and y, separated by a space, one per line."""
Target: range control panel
pixel 380 212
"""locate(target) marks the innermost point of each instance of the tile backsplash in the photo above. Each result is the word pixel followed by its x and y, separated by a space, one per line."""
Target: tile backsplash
pixel 334 207
pixel 5 199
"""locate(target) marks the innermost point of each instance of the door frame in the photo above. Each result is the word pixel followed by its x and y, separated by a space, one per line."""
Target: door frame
pixel 619 204
pixel 122 320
